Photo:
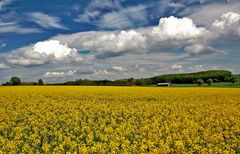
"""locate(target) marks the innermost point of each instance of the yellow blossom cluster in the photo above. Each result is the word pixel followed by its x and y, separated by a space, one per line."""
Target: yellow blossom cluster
pixel 79 119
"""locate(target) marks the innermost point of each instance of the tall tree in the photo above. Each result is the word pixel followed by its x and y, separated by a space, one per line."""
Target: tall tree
pixel 40 82
pixel 15 81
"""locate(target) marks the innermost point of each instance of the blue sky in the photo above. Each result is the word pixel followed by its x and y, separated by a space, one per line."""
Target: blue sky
pixel 110 39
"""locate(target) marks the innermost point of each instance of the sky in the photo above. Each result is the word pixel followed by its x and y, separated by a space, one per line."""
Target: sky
pixel 61 40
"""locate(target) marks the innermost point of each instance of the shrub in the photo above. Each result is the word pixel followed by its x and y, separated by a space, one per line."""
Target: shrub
pixel 200 82
pixel 209 82
pixel 233 79
pixel 6 84
pixel 215 80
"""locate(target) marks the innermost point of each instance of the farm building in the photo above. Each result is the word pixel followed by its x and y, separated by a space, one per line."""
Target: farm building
pixel 163 84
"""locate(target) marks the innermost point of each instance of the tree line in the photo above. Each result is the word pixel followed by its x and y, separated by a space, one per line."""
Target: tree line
pixel 191 78
pixel 15 81
pixel 209 77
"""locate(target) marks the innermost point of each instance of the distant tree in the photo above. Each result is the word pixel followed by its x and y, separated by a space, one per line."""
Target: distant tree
pixel 143 82
pixel 227 79
pixel 233 79
pixel 15 81
pixel 70 83
pixel 209 82
pixel 7 84
pixel 132 81
pixel 215 80
pixel 40 82
pixel 200 82
pixel 77 81
pixel 215 75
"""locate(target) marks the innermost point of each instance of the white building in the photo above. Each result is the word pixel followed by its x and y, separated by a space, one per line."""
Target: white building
pixel 163 84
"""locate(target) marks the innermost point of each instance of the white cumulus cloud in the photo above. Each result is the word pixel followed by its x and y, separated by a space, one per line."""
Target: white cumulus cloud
pixel 201 49
pixel 53 47
pixel 51 51
pixel 207 14
pixel 3 66
pixel 103 73
pixel 57 74
pixel 71 72
pixel 176 67
pixel 118 69
pixel 53 74
pixel 228 24
pixel 227 19
pixel 108 41
pixel 177 28
pixel 171 32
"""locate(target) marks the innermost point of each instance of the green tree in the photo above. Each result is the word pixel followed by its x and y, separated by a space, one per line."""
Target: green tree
pixel 209 82
pixel 233 79
pixel 6 84
pixel 215 80
pixel 40 82
pixel 200 82
pixel 227 79
pixel 15 81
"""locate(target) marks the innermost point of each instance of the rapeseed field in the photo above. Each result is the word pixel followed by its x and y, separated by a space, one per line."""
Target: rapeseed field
pixel 137 120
